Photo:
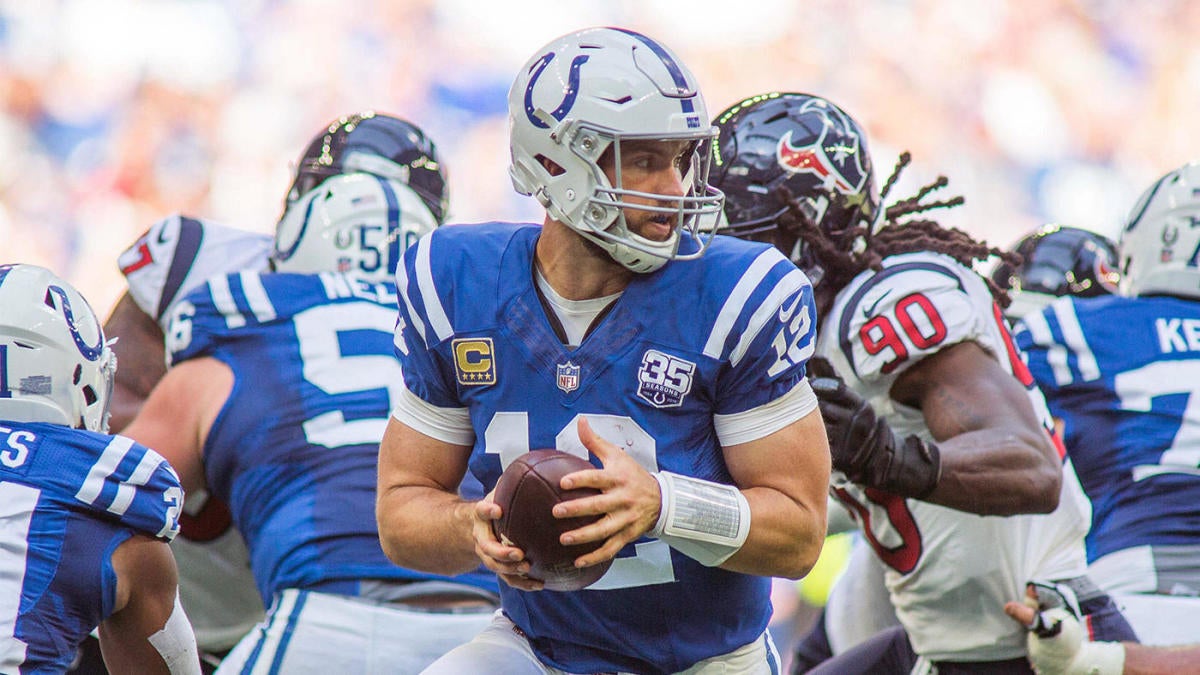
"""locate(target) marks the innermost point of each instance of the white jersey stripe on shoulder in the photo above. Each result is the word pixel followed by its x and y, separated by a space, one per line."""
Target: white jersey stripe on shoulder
pixel 1075 340
pixel 141 475
pixel 1056 354
pixel 788 285
pixel 438 321
pixel 402 291
pixel 104 467
pixel 736 301
pixel 256 296
pixel 223 300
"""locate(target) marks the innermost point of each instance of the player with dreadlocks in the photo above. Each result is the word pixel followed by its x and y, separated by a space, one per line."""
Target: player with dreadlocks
pixel 936 421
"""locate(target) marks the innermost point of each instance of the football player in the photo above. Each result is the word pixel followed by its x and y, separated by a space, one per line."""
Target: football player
pixel 619 328
pixel 87 516
pixel 1121 372
pixel 175 256
pixel 276 399
pixel 1057 260
pixel 932 418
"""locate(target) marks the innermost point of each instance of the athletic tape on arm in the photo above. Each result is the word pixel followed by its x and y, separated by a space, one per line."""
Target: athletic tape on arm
pixel 706 521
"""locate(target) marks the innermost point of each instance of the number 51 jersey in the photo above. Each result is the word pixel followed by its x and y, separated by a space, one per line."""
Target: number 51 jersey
pixel 693 341
pixel 949 572
pixel 295 447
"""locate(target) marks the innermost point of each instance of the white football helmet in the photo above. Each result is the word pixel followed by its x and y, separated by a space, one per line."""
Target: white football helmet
pixel 586 92
pixel 355 223
pixel 1160 245
pixel 55 365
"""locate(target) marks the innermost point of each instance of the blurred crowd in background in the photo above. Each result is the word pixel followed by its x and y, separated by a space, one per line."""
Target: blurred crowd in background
pixel 114 114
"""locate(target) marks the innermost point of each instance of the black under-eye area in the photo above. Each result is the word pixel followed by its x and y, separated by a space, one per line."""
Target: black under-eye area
pixel 89 395
pixel 78 374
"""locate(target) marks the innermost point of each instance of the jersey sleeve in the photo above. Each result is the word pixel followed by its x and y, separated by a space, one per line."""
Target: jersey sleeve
pixel 767 331
pixel 115 477
pixel 223 304
pixel 178 253
pixel 420 327
pixel 1056 357
pixel 903 314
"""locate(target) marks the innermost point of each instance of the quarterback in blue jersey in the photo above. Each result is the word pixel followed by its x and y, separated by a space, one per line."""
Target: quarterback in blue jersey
pixel 1121 372
pixel 86 516
pixel 279 389
pixel 605 334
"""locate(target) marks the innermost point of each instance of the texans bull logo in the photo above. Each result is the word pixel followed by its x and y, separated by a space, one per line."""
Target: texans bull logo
pixel 838 166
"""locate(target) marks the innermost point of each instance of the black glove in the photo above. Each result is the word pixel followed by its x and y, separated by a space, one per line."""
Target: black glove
pixel 865 448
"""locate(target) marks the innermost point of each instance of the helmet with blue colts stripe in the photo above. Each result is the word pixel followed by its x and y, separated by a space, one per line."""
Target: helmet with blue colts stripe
pixel 571 108
pixel 1160 245
pixel 378 144
pixel 55 365
pixel 355 223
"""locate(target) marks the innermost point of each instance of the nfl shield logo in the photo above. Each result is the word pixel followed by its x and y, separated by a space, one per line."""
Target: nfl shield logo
pixel 568 377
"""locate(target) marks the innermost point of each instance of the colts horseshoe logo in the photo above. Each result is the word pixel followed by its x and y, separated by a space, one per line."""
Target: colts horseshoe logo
pixel 568 98
pixel 91 353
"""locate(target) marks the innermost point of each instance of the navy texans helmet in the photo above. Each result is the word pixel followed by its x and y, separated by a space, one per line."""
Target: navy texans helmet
pixel 378 144
pixel 804 143
pixel 1058 260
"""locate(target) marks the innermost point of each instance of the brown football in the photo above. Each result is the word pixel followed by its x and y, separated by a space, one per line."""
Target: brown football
pixel 527 492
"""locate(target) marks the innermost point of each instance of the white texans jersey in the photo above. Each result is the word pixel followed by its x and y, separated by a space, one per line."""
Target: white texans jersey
pixel 179 252
pixel 949 572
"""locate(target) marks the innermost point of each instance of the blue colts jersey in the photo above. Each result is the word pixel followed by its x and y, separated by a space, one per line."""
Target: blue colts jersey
pixel 294 449
pixel 692 341
pixel 68 498
pixel 1123 374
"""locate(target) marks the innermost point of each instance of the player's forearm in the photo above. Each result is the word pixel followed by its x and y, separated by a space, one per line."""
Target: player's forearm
pixel 996 473
pixel 426 529
pixel 785 537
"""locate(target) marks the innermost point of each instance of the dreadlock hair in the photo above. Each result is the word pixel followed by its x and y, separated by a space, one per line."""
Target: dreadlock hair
pixel 845 253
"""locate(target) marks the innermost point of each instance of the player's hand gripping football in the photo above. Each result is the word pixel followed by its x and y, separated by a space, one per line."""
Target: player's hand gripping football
pixel 508 562
pixel 629 499
pixel 863 445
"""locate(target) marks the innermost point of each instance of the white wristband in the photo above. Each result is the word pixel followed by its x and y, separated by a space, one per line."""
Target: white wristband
pixel 703 520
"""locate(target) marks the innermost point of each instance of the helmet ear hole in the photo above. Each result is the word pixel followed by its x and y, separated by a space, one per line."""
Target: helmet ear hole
pixel 89 395
pixel 552 167
pixel 78 375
